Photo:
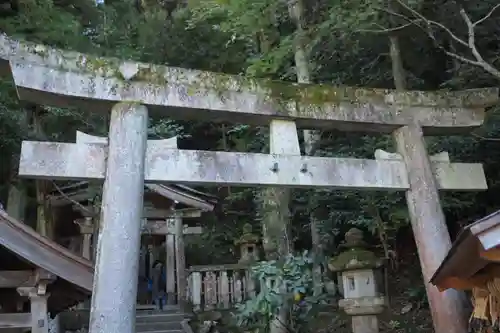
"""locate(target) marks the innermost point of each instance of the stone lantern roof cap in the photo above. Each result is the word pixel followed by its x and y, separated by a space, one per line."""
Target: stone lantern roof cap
pixel 248 237
pixel 356 256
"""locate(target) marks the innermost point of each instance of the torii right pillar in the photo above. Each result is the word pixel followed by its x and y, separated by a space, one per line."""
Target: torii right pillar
pixel 429 228
pixel 429 225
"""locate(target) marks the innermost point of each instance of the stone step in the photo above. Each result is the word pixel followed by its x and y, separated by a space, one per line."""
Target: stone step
pixel 160 318
pixel 164 331
pixel 152 327
pixel 166 309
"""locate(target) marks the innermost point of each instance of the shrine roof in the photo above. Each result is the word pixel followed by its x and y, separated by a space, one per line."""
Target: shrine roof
pixel 476 247
pixel 31 250
pixel 184 195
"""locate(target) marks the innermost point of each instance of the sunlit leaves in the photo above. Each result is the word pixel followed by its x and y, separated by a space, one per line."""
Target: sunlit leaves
pixel 287 282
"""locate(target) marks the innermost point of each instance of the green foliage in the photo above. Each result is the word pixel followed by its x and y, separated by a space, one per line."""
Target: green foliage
pixel 285 284
pixel 255 38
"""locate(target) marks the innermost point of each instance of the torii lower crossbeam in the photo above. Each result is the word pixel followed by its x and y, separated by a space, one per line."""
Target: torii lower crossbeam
pixel 63 161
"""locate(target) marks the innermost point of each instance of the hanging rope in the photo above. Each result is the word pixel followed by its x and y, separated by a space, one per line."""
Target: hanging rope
pixel 486 314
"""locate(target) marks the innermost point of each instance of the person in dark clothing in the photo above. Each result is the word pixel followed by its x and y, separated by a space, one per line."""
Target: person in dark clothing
pixel 157 284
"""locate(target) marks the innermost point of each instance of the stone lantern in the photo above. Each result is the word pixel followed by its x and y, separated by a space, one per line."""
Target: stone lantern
pixel 248 241
pixel 362 298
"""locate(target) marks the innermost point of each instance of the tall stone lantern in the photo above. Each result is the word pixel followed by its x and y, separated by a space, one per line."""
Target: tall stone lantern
pixel 248 241
pixel 362 298
pixel 249 254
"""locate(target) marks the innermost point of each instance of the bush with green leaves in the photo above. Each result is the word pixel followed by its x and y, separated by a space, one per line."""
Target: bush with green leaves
pixel 285 284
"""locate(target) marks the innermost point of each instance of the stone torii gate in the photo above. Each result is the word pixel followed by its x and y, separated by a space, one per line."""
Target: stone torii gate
pixel 50 76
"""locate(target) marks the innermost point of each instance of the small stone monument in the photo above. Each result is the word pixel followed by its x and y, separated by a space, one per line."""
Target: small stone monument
pixel 362 299
pixel 248 241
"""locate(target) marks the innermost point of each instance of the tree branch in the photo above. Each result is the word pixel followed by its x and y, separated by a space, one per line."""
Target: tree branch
pixel 427 25
pixel 484 138
pixel 472 42
pixel 487 15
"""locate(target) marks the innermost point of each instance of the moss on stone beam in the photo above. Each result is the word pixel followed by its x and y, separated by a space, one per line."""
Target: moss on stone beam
pixel 316 94
pixel 77 78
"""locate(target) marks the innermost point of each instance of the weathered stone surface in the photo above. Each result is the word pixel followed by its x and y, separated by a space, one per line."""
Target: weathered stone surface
pixel 384 155
pixel 63 161
pixel 451 176
pixel 114 292
pixel 51 76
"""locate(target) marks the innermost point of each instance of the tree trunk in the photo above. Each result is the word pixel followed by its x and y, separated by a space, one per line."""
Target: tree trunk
pixel 311 137
pixel 16 201
pixel 275 219
pixel 44 224
pixel 17 198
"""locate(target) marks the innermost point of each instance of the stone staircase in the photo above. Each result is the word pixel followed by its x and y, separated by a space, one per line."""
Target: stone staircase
pixel 167 320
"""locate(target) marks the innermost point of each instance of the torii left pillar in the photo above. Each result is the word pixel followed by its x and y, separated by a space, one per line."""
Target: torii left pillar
pixel 114 291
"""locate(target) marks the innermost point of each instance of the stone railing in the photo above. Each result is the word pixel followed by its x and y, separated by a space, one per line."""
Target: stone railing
pixel 219 286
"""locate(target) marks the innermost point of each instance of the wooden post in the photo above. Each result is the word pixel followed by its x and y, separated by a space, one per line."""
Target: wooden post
pixel 429 229
pixel 38 305
pixel 180 260
pixel 16 201
pixel 175 263
pixel 170 262
pixel 115 279
pixel 86 230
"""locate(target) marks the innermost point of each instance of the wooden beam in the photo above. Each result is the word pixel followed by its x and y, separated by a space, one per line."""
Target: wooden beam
pixel 148 228
pixel 490 238
pixel 14 279
pixel 156 213
pixel 62 161
pixel 15 320
pixel 492 255
pixel 190 94
pixel 164 228
pixel 180 259
pixel 175 193
pixel 44 253
pixel 452 282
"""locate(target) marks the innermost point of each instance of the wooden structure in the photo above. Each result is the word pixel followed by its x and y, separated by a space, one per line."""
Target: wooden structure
pixel 37 277
pixel 166 209
pixel 128 89
pixel 224 286
pixel 473 263
pixel 476 248
pixel 219 286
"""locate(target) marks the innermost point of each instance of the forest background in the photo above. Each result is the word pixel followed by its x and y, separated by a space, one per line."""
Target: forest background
pixel 440 45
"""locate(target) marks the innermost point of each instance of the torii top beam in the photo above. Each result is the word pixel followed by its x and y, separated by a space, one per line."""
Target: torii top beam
pixel 61 78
